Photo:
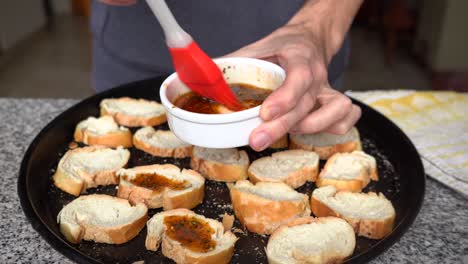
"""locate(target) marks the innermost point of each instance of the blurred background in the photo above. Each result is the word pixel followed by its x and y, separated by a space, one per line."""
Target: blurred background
pixel 45 47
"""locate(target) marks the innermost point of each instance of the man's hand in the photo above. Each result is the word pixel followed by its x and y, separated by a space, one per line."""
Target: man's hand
pixel 305 103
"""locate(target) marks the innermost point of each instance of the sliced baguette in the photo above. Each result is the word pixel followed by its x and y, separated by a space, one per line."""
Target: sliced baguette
pixel 265 206
pixel 101 218
pixel 311 240
pixel 293 167
pixel 180 253
pixel 88 167
pixel 103 131
pixel 188 194
pixel 134 112
pixel 282 142
pixel 326 144
pixel 348 171
pixel 226 165
pixel 371 215
pixel 161 143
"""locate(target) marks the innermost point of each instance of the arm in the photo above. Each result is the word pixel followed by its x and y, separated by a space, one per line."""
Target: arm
pixel 304 48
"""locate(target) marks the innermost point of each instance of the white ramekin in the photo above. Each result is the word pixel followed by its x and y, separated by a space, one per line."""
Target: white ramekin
pixel 221 130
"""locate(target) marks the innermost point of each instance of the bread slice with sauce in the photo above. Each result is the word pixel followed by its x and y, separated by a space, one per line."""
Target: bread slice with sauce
pixel 164 186
pixel 186 237
pixel 311 240
pixel 161 143
pixel 134 112
pixel 83 168
pixel 101 218
pixel 293 167
pixel 348 171
pixel 326 144
pixel 226 165
pixel 370 214
pixel 266 205
pixel 103 131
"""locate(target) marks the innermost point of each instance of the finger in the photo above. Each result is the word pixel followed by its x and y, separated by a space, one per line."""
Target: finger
pixel 269 132
pixel 304 73
pixel 345 124
pixel 325 116
pixel 287 96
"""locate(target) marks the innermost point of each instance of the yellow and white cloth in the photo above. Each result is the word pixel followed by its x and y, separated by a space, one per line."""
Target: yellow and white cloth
pixel 437 124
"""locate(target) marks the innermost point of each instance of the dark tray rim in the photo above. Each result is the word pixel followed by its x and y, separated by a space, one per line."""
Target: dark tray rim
pixel 60 245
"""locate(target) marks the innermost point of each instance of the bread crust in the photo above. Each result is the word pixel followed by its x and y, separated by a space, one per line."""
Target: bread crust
pixel 181 152
pixel 295 179
pixel 263 216
pixel 113 140
pixel 327 151
pixel 282 142
pixel 354 185
pixel 217 171
pixel 136 194
pixel 174 250
pixel 302 221
pixel 370 228
pixel 134 121
pixel 70 184
pixel 342 185
pixel 110 235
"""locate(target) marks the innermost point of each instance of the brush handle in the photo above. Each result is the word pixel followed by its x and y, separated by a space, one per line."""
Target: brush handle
pixel 176 37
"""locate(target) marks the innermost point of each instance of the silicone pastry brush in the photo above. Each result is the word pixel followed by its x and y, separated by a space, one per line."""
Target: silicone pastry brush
pixel 193 66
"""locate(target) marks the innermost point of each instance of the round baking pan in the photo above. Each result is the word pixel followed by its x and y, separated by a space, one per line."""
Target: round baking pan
pixel 402 180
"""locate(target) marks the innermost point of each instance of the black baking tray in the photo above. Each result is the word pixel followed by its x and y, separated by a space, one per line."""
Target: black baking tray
pixel 401 173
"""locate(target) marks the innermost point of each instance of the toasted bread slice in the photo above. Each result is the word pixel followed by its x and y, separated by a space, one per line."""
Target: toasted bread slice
pixel 103 131
pixel 326 144
pixel 348 171
pixel 282 142
pixel 207 241
pixel 265 206
pixel 161 186
pixel 226 165
pixel 101 218
pixel 88 167
pixel 134 112
pixel 371 215
pixel 161 143
pixel 293 167
pixel 311 240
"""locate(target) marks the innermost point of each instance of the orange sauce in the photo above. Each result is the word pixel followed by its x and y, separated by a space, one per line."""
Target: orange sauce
pixel 249 96
pixel 192 232
pixel 157 182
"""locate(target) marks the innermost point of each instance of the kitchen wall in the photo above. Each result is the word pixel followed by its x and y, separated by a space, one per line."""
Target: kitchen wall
pixel 443 30
pixel 18 19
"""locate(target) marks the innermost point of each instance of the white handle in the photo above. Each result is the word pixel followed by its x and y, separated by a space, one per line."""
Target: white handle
pixel 176 37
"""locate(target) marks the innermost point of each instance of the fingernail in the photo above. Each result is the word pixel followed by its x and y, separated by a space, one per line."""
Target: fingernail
pixel 272 112
pixel 260 141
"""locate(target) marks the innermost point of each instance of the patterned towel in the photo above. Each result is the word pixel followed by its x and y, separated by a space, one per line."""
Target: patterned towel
pixel 436 122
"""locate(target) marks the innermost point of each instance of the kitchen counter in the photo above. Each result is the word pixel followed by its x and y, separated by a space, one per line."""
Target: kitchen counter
pixel 439 234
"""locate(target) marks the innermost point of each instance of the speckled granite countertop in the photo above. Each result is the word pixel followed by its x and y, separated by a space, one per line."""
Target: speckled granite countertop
pixel 439 234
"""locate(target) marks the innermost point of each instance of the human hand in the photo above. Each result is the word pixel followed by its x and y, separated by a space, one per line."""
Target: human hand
pixel 305 102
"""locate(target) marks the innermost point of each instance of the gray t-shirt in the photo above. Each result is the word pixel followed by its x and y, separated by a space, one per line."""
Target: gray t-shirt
pixel 128 43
